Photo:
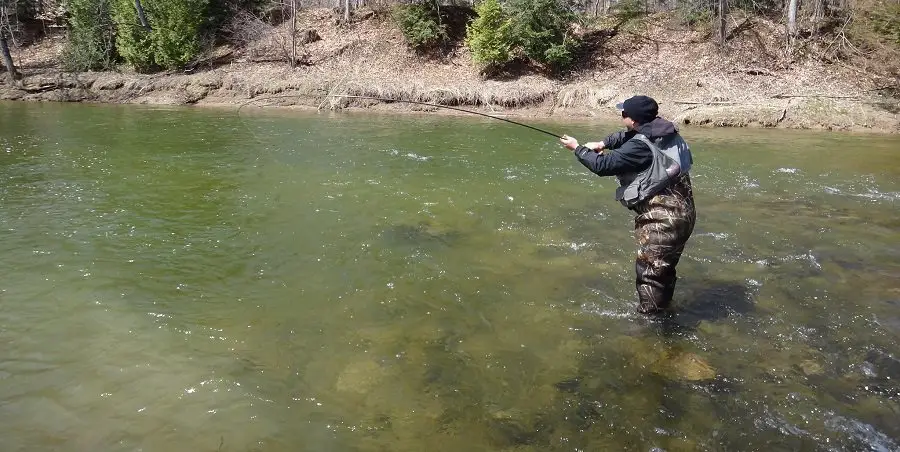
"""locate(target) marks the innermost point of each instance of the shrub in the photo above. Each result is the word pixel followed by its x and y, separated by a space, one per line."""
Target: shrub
pixel 91 40
pixel 221 12
pixel 628 10
pixel 176 31
pixel 489 36
pixel 172 40
pixel 872 39
pixel 695 13
pixel 133 42
pixel 420 24
pixel 541 27
pixel 884 19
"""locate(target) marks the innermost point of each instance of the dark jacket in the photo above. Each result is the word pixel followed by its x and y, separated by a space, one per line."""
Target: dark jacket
pixel 623 155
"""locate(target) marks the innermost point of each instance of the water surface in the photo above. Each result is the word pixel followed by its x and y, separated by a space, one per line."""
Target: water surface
pixel 184 279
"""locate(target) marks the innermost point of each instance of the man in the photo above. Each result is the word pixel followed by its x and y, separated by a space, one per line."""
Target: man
pixel 651 161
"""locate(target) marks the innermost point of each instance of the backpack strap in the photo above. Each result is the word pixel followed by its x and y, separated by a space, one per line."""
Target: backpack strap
pixel 680 156
pixel 647 141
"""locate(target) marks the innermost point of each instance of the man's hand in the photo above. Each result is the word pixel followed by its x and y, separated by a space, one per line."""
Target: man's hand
pixel 595 146
pixel 569 142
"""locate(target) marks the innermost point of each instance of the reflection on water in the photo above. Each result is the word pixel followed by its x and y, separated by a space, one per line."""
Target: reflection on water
pixel 189 280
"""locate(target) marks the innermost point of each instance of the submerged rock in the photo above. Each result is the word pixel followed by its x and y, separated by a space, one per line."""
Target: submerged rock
pixel 425 232
pixel 884 363
pixel 671 363
pixel 568 385
pixel 810 368
pixel 683 365
pixel 415 234
pixel 360 377
pixel 511 428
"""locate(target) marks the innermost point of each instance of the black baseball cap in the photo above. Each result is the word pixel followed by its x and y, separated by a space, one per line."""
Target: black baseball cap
pixel 642 109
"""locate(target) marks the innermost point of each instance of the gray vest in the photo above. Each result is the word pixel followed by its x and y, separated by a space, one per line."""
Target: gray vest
pixel 671 159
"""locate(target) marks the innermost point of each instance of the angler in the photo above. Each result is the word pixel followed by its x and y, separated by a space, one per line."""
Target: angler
pixel 651 162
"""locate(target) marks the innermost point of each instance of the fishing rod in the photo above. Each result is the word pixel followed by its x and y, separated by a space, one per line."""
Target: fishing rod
pixel 384 99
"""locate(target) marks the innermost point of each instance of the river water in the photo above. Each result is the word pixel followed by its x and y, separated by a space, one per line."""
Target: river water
pixel 178 279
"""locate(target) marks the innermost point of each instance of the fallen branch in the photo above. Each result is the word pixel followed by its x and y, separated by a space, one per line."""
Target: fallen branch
pixel 754 71
pixel 40 89
pixel 884 88
pixel 663 41
pixel 745 25
pixel 627 64
pixel 336 53
pixel 790 96
pixel 687 102
pixel 784 112
pixel 210 61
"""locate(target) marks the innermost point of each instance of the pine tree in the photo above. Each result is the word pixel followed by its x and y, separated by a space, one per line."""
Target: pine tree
pixel 91 41
pixel 489 36
pixel 168 36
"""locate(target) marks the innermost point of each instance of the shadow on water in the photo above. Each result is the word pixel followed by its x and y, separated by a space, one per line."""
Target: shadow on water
pixel 695 301
pixel 881 371
pixel 892 323
pixel 656 360
pixel 705 300
pixel 422 234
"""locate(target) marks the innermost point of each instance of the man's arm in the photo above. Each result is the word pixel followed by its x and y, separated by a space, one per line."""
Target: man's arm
pixel 612 141
pixel 633 156
pixel 617 139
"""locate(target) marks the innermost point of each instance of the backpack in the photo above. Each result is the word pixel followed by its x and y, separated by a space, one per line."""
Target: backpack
pixel 671 159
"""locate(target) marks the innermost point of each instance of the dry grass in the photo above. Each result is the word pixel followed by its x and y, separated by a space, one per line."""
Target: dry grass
pixel 458 95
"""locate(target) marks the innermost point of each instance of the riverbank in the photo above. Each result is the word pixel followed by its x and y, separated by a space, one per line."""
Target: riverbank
pixel 749 84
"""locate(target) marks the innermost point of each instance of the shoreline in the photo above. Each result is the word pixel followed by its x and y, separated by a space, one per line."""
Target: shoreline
pixel 755 116
pixel 695 83
pixel 206 89
pixel 134 92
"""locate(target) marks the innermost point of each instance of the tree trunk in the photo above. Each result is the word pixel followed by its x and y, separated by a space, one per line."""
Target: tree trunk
pixel 141 16
pixel 7 57
pixel 818 13
pixel 792 18
pixel 347 10
pixel 791 24
pixel 723 10
pixel 293 33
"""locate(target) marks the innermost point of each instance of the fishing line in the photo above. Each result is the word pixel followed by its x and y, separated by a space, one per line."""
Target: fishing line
pixel 383 99
pixel 451 108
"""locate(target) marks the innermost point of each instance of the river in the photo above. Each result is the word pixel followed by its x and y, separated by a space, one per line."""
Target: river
pixel 180 279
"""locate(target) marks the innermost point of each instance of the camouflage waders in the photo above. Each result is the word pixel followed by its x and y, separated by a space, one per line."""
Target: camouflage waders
pixel 662 226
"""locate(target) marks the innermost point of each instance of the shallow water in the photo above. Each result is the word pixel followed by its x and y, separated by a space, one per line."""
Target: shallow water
pixel 182 279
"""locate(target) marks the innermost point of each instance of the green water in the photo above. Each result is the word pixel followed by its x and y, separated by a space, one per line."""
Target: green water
pixel 188 280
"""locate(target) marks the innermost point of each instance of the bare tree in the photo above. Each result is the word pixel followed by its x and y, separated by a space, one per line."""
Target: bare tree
pixel 293 33
pixel 7 57
pixel 141 16
pixel 7 10
pixel 818 12
pixel 723 11
pixel 260 37
pixel 791 24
